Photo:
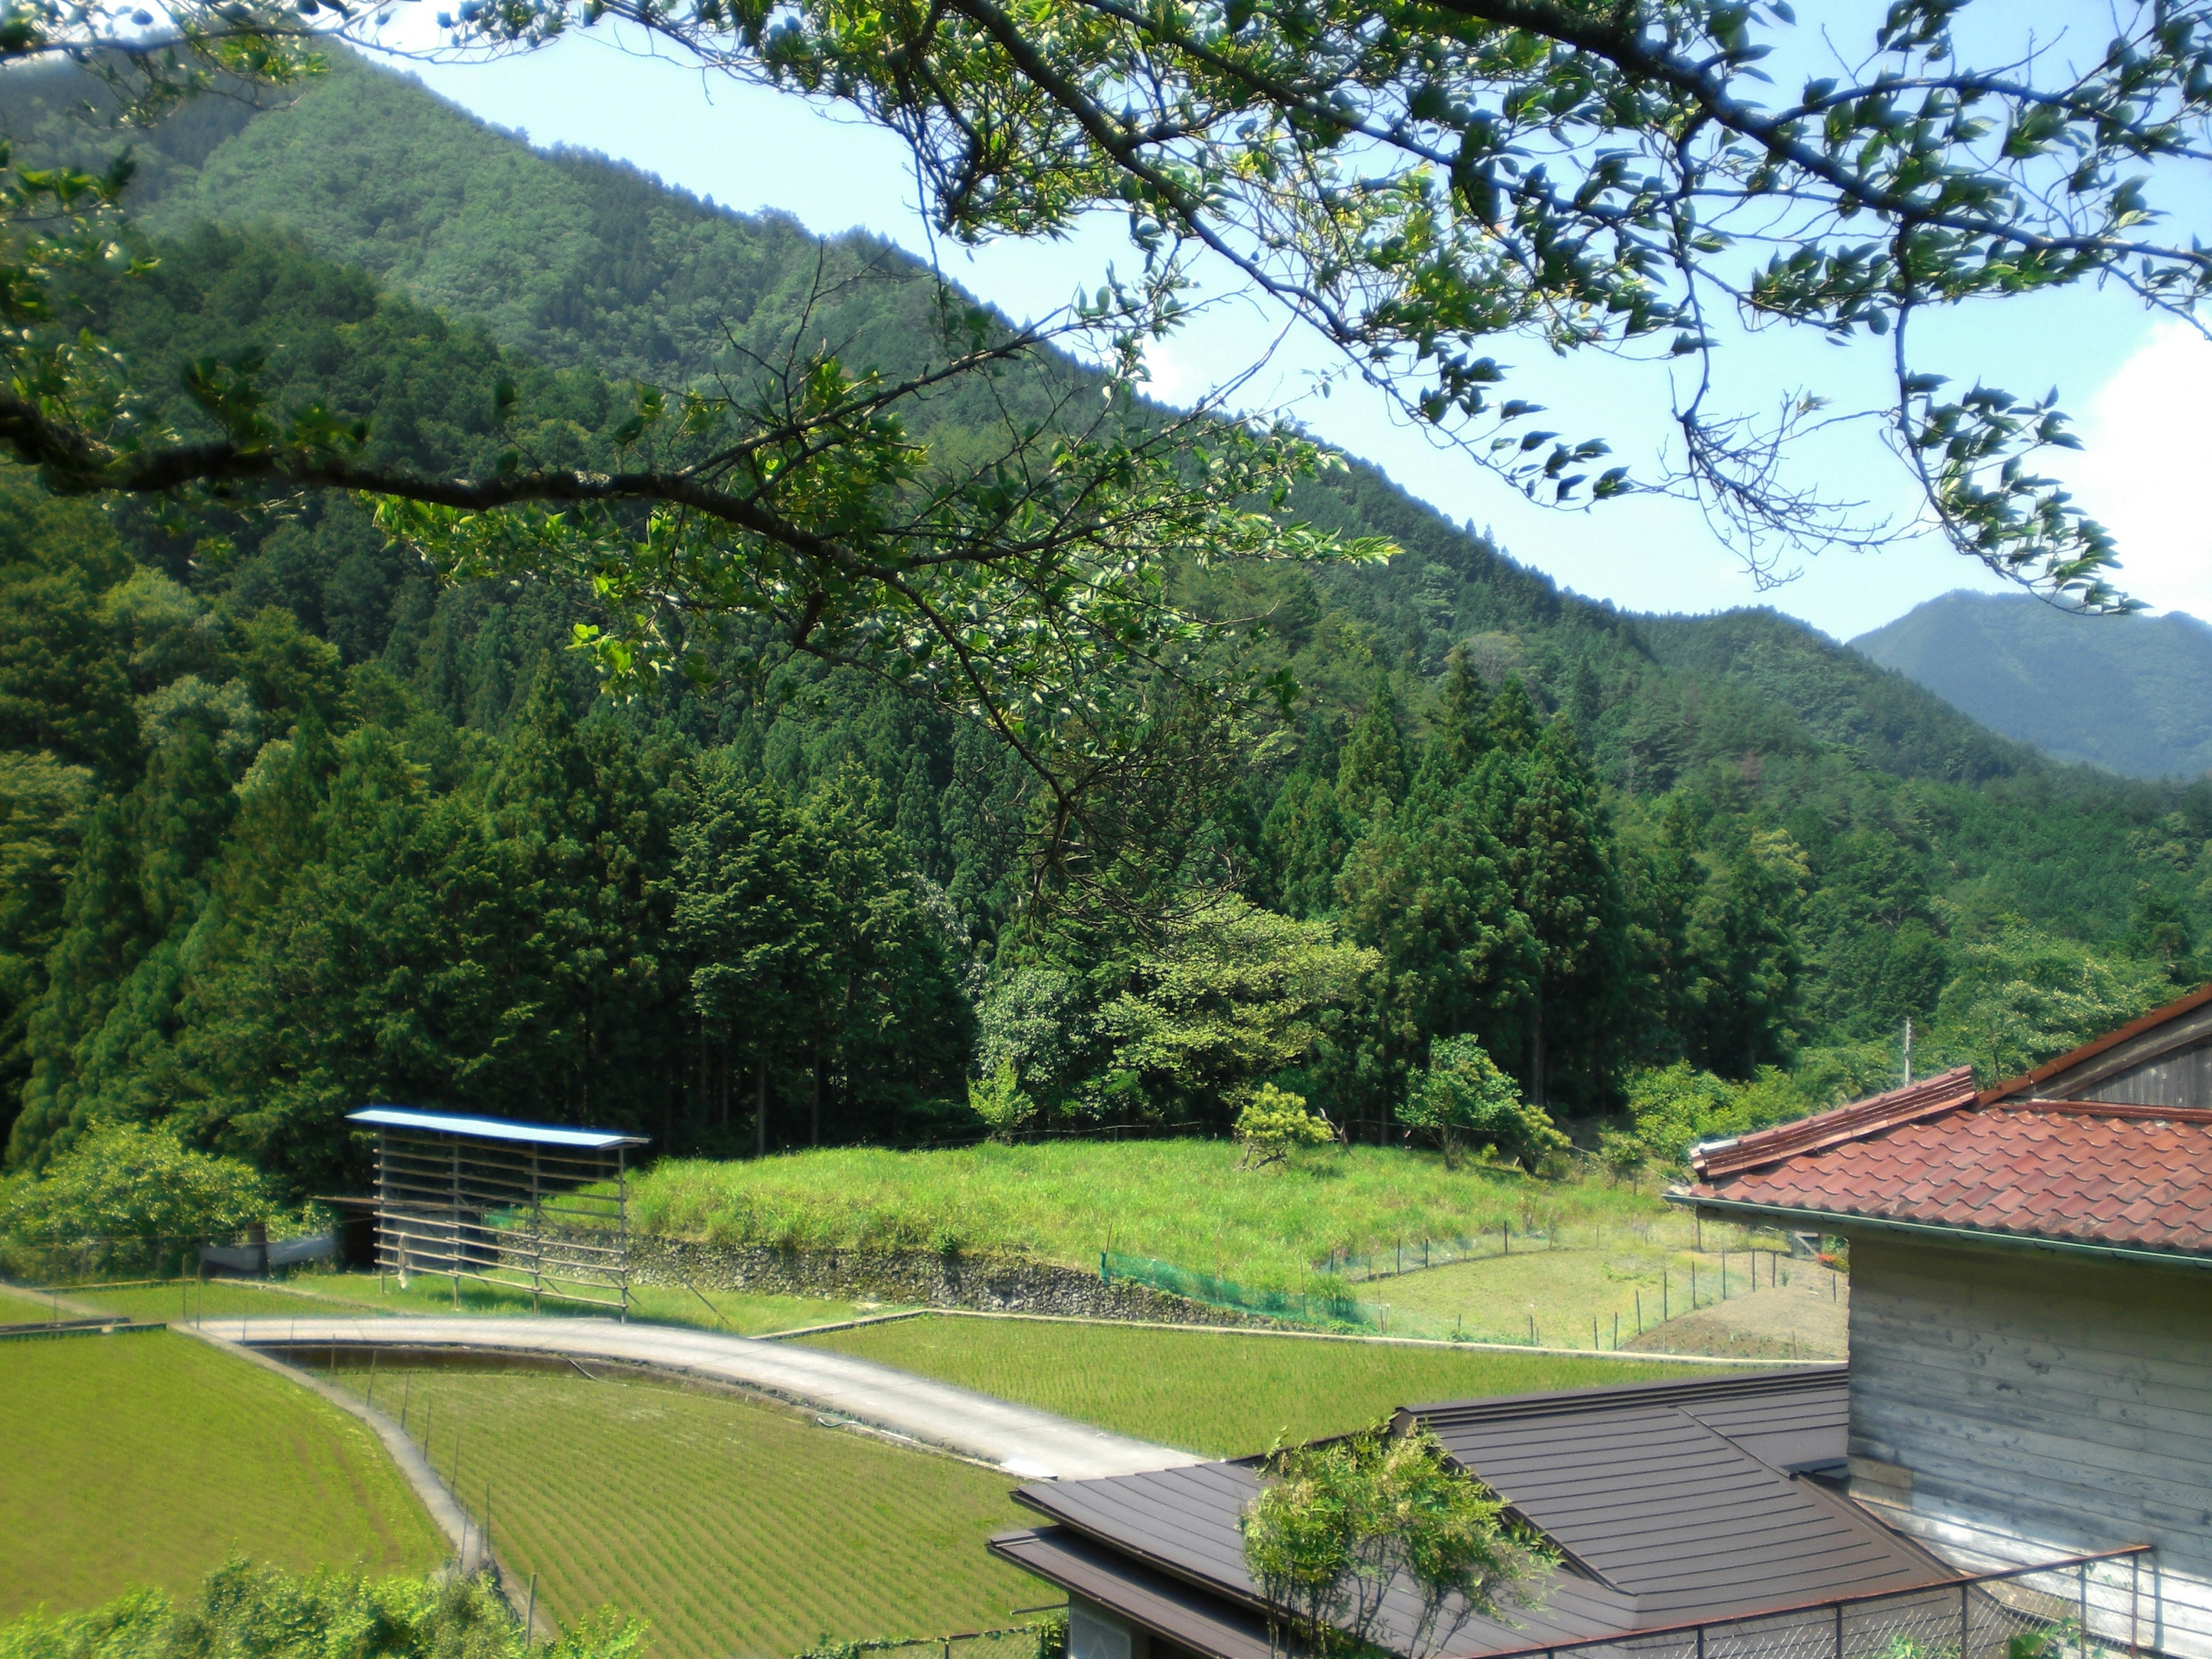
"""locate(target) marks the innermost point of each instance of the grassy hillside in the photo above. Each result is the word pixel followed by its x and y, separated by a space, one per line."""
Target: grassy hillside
pixel 150 1459
pixel 1183 1201
pixel 2131 694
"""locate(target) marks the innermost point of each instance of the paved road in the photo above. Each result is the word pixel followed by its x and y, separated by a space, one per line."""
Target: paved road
pixel 1031 1443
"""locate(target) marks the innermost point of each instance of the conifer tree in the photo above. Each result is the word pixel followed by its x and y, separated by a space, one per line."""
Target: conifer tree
pixel 1460 733
pixel 1371 776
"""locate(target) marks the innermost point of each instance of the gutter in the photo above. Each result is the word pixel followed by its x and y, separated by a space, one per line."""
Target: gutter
pixel 1844 1222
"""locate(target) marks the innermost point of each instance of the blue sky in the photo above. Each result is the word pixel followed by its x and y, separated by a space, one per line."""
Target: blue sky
pixel 2142 392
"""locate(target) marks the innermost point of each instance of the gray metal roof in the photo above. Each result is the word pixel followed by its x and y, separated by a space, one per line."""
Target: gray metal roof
pixel 1671 1502
pixel 492 1128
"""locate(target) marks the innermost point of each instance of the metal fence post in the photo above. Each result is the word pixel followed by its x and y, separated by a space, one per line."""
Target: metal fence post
pixel 2081 1595
pixel 2135 1604
pixel 1965 1617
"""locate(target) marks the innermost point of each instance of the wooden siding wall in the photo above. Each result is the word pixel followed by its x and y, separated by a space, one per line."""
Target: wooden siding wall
pixel 2016 1406
pixel 2169 1065
pixel 2176 1079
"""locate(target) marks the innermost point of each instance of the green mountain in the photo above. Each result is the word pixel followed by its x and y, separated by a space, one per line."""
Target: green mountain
pixel 2130 694
pixel 291 825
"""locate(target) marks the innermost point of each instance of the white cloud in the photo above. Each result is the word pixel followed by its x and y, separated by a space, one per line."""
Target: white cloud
pixel 2149 432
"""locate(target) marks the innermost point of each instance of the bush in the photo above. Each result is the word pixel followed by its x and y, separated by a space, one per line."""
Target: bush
pixel 999 1099
pixel 246 1612
pixel 1462 1099
pixel 130 1181
pixel 1677 1106
pixel 1273 1122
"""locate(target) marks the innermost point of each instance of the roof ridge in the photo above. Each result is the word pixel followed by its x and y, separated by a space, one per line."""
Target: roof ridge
pixel 1931 1097
pixel 1617 1395
pixel 2122 1108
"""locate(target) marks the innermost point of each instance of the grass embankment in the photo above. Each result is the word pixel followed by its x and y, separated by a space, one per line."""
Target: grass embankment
pixel 1618 1290
pixel 360 1293
pixel 1224 1393
pixel 734 1528
pixel 150 1459
pixel 1183 1201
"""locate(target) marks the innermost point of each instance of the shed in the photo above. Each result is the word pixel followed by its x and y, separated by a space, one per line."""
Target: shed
pixel 540 1207
pixel 2030 1317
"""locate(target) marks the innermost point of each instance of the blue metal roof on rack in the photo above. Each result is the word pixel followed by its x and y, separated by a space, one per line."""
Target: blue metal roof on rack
pixel 492 1128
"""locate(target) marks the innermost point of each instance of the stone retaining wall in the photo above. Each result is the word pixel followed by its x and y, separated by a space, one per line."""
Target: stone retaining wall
pixel 993 1284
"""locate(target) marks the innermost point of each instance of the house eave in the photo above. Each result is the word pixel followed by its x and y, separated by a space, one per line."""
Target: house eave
pixel 1846 1222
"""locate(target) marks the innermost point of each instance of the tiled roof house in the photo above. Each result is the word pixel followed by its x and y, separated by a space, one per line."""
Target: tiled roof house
pixel 2030 1382
pixel 2030 1317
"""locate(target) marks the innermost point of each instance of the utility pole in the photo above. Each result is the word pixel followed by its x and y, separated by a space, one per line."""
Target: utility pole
pixel 1908 1050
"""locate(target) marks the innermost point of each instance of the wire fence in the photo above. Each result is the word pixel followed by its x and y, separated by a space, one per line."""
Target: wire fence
pixel 1735 1271
pixel 1041 1638
pixel 1404 1255
pixel 59 1263
pixel 2092 1607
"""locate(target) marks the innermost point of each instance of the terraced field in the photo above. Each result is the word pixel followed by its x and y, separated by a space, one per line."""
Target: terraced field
pixel 1208 1390
pixel 733 1528
pixel 149 1459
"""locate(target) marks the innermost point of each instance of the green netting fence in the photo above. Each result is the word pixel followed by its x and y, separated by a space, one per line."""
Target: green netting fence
pixel 1583 1331
pixel 1302 1308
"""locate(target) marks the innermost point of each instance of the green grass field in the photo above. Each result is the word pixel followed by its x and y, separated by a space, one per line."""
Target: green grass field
pixel 360 1293
pixel 1219 1392
pixel 1581 1295
pixel 1183 1201
pixel 733 1528
pixel 25 1308
pixel 149 1459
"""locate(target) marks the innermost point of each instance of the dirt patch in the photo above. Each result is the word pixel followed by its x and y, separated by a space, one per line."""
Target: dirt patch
pixel 1808 1319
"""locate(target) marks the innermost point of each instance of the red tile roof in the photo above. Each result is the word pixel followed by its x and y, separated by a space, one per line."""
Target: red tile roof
pixel 2089 1172
pixel 1942 1093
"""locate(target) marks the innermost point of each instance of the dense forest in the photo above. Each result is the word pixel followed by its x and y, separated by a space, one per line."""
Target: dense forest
pixel 289 824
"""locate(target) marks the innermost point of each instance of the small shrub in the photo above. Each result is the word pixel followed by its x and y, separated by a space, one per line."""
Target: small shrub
pixel 1273 1122
pixel 999 1099
pixel 271 1614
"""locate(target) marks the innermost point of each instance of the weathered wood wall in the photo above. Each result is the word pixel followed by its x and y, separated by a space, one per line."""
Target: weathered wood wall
pixel 2008 1404
pixel 2169 1065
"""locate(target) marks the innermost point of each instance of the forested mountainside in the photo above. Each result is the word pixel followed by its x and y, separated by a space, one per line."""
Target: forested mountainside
pixel 2132 694
pixel 289 825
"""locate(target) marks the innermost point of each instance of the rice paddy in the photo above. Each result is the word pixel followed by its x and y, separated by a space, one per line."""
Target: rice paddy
pixel 733 1528
pixel 148 1459
pixel 1219 1392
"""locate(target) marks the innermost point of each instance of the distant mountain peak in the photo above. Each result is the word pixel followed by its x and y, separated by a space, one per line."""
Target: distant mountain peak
pixel 2130 694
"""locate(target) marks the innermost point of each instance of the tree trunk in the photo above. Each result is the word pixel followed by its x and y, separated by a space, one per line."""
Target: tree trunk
pixel 1536 1054
pixel 759 1106
pixel 814 1110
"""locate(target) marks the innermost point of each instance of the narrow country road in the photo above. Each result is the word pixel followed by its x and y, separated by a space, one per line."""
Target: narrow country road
pixel 1026 1442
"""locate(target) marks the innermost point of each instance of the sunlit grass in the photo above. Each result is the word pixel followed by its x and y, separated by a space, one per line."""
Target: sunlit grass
pixel 1183 1201
pixel 150 1459
pixel 1225 1392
